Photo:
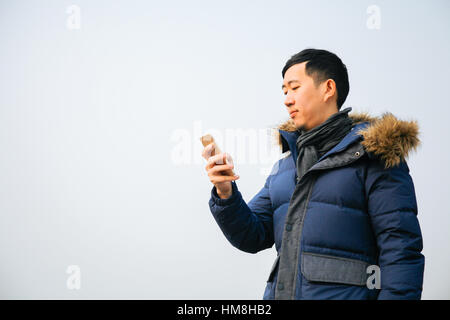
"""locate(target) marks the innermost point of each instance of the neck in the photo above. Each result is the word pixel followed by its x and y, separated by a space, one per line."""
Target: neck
pixel 329 112
pixel 324 117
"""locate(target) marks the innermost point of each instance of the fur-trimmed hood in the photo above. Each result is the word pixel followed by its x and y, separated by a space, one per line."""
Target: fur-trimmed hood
pixel 387 137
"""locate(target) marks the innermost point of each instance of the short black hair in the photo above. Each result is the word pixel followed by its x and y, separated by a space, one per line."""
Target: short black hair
pixel 322 65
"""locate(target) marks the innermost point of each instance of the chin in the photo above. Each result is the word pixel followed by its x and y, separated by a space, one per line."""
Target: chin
pixel 299 124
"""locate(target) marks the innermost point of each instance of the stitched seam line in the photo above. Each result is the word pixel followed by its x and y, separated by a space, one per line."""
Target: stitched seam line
pixel 300 241
pixel 343 206
pixel 335 258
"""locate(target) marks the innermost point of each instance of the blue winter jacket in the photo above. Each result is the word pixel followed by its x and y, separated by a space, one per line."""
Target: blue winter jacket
pixel 359 214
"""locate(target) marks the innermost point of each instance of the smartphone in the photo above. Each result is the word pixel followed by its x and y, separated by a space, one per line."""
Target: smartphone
pixel 208 139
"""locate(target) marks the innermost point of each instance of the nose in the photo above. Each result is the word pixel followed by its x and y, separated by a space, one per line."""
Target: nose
pixel 289 101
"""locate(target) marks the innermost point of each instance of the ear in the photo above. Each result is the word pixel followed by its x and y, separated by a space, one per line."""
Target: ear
pixel 329 89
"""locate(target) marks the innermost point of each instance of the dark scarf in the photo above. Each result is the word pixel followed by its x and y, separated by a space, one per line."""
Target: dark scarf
pixel 313 144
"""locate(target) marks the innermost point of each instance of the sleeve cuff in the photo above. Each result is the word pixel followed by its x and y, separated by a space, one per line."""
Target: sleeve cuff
pixel 224 202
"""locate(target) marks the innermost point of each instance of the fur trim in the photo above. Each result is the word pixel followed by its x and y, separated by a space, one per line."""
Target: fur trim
pixel 387 137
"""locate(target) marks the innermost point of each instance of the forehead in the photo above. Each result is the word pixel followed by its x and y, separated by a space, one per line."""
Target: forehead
pixel 295 73
pixel 297 70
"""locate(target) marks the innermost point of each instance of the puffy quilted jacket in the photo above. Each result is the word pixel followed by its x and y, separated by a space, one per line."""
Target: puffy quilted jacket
pixel 352 212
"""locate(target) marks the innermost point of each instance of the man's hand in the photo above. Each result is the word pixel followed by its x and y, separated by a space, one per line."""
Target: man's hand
pixel 220 170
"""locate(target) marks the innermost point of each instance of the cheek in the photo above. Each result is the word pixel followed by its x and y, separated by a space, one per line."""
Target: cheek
pixel 303 98
pixel 304 106
pixel 305 101
pixel 300 104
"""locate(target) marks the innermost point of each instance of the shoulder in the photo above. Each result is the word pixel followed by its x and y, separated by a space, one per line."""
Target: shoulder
pixel 389 141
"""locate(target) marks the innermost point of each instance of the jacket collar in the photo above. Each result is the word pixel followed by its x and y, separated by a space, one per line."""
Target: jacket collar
pixel 387 137
pixel 290 140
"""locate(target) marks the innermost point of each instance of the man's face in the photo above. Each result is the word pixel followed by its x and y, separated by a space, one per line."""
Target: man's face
pixel 305 103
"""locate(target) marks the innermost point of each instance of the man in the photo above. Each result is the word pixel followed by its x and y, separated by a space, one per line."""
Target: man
pixel 340 207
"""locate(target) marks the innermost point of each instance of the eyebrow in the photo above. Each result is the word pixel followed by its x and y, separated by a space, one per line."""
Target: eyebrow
pixel 289 82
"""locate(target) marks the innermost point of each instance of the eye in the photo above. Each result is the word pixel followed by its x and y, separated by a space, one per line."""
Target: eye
pixel 293 89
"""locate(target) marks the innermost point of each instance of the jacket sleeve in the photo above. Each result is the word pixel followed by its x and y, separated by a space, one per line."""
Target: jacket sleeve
pixel 247 227
pixel 392 208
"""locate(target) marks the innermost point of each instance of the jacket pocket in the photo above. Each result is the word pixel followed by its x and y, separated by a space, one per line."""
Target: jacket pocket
pixel 326 268
pixel 273 270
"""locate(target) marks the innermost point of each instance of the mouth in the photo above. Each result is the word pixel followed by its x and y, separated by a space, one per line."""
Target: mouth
pixel 293 113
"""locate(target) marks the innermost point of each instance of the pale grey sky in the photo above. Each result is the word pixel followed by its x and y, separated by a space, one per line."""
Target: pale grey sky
pixel 92 121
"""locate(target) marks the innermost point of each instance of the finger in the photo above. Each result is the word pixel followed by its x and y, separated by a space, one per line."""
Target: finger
pixel 208 151
pixel 211 161
pixel 205 152
pixel 222 159
pixel 219 179
pixel 216 159
pixel 219 168
pixel 229 159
